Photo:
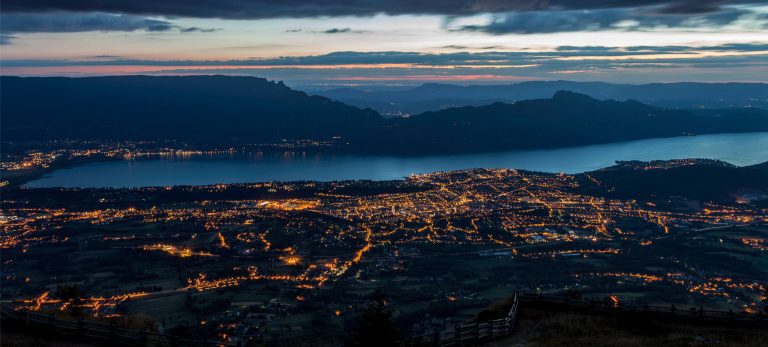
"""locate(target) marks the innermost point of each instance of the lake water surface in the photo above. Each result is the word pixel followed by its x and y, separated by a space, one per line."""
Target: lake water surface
pixel 737 149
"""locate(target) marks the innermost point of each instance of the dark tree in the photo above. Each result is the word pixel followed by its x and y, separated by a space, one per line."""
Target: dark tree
pixel 376 328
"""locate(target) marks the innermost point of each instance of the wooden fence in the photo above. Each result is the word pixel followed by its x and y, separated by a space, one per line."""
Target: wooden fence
pixel 98 330
pixel 458 335
pixel 471 333
pixel 600 305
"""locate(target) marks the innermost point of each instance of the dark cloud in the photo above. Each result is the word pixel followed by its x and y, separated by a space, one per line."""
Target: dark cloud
pixel 6 39
pixel 614 19
pixel 740 47
pixel 691 6
pixel 256 9
pixel 596 62
pixel 197 30
pixel 457 47
pixel 329 31
pixel 68 22
pixel 657 71
pixel 341 31
pixel 634 50
pixel 593 53
pixel 337 31
pixel 72 22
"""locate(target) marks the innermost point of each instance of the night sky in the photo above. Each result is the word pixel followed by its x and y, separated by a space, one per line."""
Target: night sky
pixel 360 42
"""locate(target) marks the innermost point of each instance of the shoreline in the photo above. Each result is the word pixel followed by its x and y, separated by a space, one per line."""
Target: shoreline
pixel 487 160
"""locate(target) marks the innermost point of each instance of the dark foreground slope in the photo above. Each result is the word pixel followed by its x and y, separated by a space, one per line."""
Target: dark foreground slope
pixel 555 328
pixel 230 111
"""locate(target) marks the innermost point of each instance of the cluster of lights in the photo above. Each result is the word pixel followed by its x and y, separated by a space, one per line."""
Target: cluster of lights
pixel 176 251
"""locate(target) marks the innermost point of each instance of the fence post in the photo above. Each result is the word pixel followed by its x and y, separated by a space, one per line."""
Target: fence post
pixel 490 329
pixel 80 326
pixel 673 309
pixel 477 331
pixel 52 321
pixel 457 334
pixel 112 331
pixel 436 338
pixel 143 337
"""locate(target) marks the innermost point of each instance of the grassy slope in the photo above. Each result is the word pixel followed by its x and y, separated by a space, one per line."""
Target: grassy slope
pixel 545 328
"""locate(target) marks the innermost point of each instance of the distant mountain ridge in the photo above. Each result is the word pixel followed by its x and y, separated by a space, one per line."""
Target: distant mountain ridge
pixel 230 111
pixel 215 109
pixel 435 96
pixel 566 119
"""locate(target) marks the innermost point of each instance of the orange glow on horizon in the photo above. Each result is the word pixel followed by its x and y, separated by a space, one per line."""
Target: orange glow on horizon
pixel 432 78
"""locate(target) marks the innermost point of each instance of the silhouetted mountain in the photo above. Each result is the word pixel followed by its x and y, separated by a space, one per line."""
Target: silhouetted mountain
pixel 691 178
pixel 567 119
pixel 225 110
pixel 434 97
pixel 218 109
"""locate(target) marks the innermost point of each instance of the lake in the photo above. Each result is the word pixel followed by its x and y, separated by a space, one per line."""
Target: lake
pixel 737 149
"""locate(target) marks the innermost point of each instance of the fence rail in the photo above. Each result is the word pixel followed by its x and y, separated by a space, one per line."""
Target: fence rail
pixel 99 331
pixel 458 335
pixel 470 333
pixel 671 310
